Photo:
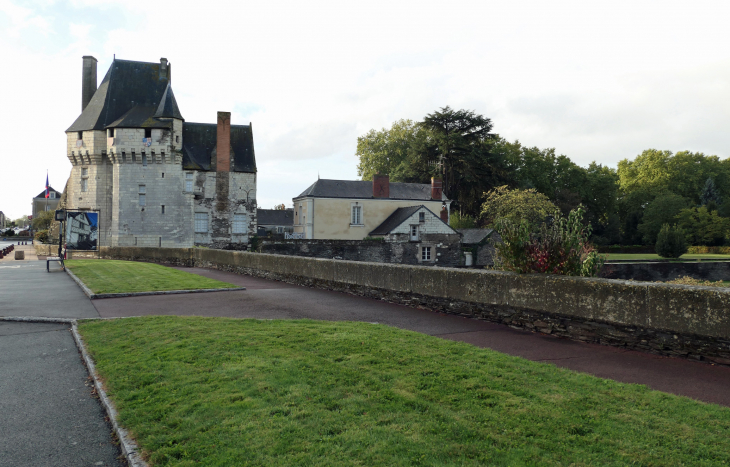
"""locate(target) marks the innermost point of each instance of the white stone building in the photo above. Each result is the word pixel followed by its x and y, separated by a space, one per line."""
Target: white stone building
pixel 156 179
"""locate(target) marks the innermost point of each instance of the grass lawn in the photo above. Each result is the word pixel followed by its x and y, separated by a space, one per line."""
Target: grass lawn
pixel 649 256
pixel 111 276
pixel 213 391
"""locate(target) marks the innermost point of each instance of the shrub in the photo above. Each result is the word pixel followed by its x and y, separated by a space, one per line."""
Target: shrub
pixel 559 247
pixel 42 236
pixel 686 280
pixel 670 242
pixel 461 221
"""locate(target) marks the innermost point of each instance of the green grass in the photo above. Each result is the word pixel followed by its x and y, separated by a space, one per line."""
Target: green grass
pixel 212 391
pixel 650 256
pixel 111 276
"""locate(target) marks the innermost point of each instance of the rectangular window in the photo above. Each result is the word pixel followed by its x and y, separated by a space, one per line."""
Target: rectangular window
pixel 201 222
pixel 124 157
pixel 356 215
pixel 111 132
pixel 134 158
pixel 163 174
pixel 80 135
pixel 52 195
pixel 188 182
pixel 163 209
pixel 148 132
pixel 142 195
pixel 422 217
pixel 162 155
pixel 84 179
pixel 280 229
pixel 153 157
pixel 426 253
pixel 177 139
pixel 240 222
pixel 144 159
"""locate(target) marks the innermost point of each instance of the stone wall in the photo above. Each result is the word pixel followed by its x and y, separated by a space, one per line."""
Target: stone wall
pixel 446 250
pixel 667 271
pixel 676 320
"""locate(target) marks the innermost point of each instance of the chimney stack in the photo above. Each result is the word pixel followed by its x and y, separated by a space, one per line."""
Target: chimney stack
pixel 88 80
pixel 223 142
pixel 164 69
pixel 381 186
pixel 436 189
pixel 444 214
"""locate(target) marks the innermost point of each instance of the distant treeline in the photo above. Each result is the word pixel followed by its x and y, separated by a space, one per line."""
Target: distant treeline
pixel 626 206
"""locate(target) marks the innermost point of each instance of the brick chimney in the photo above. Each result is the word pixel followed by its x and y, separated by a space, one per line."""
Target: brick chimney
pixel 436 189
pixel 88 80
pixel 444 214
pixel 223 142
pixel 381 186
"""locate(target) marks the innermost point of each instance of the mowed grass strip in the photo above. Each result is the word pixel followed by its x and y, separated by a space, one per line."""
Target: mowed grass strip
pixel 654 256
pixel 213 391
pixel 112 276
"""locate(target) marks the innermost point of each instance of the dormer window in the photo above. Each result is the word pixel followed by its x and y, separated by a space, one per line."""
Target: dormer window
pixel 148 132
pixel 421 216
pixel 80 135
pixel 110 132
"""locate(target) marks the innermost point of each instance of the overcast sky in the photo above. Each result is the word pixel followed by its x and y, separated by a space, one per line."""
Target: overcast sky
pixel 595 80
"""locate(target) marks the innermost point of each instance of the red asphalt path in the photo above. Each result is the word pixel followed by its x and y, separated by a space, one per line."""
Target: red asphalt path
pixel 267 299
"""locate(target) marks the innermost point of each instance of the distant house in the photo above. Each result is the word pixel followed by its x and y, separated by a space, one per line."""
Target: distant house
pixel 481 242
pixel 352 209
pixel 41 203
pixel 275 221
pixel 419 225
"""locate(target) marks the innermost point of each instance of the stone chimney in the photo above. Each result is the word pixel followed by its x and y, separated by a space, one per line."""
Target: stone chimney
pixel 381 186
pixel 164 69
pixel 223 142
pixel 88 80
pixel 436 189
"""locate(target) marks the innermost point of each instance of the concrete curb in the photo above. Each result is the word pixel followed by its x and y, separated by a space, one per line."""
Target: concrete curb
pixel 129 447
pixel 93 296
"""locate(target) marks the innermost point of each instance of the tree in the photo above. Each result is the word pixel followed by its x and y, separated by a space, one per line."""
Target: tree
pixel 710 195
pixel 388 151
pixel 662 210
pixel 280 207
pixel 42 221
pixel 703 227
pixel 22 221
pixel 516 206
pixel 670 242
pixel 459 221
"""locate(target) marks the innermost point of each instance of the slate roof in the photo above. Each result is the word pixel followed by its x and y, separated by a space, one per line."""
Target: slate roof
pixel 42 194
pixel 363 189
pixel 199 144
pixel 275 217
pixel 132 94
pixel 474 236
pixel 398 217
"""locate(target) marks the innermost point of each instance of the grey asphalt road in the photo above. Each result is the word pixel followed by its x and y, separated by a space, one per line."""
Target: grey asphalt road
pixel 48 416
pixel 267 299
pixel 26 289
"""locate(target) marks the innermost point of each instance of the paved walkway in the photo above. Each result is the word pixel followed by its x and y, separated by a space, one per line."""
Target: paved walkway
pixel 277 300
pixel 48 416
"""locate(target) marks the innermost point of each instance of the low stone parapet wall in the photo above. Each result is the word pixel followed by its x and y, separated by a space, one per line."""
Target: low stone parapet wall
pixel 677 320
pixel 667 271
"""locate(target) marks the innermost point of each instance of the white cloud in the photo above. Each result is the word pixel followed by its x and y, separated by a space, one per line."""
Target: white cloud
pixel 595 81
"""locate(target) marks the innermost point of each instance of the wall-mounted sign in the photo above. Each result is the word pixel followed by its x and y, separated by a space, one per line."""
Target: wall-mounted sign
pixel 293 236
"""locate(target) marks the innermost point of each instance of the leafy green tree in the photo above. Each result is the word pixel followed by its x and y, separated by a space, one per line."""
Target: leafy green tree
pixel 662 210
pixel 703 227
pixel 461 221
pixel 670 242
pixel 516 206
pixel 43 220
pixel 389 151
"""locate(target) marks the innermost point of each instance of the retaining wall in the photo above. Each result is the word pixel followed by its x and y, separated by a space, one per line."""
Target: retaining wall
pixel 677 320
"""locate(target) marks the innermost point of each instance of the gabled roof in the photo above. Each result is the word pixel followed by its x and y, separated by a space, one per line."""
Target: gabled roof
pixel 473 236
pixel 399 216
pixel 130 94
pixel 42 194
pixel 199 145
pixel 363 189
pixel 275 217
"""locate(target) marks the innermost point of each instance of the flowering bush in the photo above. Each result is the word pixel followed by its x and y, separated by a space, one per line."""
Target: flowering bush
pixel 559 246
